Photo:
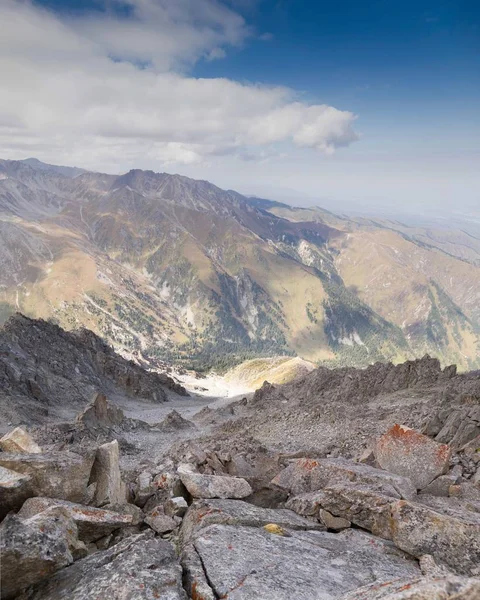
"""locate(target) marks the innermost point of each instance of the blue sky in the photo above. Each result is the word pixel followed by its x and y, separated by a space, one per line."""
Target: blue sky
pixel 401 78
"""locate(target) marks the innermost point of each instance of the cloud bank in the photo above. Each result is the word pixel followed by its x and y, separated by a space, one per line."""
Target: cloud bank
pixel 88 88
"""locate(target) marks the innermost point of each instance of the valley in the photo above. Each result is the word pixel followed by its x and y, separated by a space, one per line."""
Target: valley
pixel 170 269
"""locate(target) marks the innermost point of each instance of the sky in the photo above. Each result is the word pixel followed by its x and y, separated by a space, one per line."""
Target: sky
pixel 350 104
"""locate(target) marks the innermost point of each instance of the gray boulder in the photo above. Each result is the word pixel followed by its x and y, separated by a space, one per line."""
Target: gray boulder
pixel 203 513
pixel 308 475
pixel 450 533
pixel 250 563
pixel 100 414
pixel 14 490
pixel 106 474
pixel 62 475
pixel 92 523
pixel 213 486
pixel 32 549
pixel 159 521
pixel 176 507
pixel 139 568
pixel 441 485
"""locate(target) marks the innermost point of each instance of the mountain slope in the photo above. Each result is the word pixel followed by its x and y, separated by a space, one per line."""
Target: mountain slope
pixel 166 267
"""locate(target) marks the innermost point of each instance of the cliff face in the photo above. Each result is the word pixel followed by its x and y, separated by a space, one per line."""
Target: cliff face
pixel 45 370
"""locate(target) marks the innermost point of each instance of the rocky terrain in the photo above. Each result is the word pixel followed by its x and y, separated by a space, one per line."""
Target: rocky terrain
pixel 46 372
pixel 168 268
pixel 342 484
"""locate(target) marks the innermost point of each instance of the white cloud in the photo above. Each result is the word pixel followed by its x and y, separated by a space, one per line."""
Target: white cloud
pixel 108 89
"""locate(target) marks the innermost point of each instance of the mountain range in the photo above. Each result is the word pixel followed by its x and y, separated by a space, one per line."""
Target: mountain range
pixel 165 267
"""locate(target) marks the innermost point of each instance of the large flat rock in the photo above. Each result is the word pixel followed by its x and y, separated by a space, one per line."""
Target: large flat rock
pixel 449 531
pixel 203 513
pixel 62 475
pixel 139 568
pixel 309 475
pixel 246 563
pixel 92 523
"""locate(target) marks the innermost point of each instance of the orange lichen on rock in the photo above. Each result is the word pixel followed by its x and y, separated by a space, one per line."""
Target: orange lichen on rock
pixel 409 453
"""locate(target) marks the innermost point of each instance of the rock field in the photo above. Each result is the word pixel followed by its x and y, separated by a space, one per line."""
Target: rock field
pixel 246 502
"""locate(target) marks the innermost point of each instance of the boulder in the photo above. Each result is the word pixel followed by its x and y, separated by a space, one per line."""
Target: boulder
pixel 18 440
pixel 213 486
pixel 32 549
pixel 92 523
pixel 144 488
pixel 308 475
pixel 448 531
pixel 250 563
pixel 126 508
pixel 159 521
pixel 440 486
pixel 138 567
pixel 408 453
pixel 448 587
pixel 203 513
pixel 106 474
pixel 62 475
pixel 332 522
pixel 100 414
pixel 176 507
pixel 466 490
pixel 174 422
pixel 14 490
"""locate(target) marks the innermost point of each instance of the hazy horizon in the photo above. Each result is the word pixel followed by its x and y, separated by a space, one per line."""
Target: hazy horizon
pixel 368 106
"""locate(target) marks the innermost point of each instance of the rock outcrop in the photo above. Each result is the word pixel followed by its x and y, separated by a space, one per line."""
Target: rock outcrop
pixel 139 567
pixel 41 365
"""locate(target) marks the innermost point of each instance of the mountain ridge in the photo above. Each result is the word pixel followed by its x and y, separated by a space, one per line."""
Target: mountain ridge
pixel 167 267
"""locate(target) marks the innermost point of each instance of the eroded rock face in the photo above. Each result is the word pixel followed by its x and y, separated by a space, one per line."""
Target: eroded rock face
pixel 62 475
pixel 213 486
pixel 456 425
pixel 106 474
pixel 249 563
pixel 18 440
pixel 15 488
pixel 408 453
pixel 92 523
pixel 32 549
pixel 308 475
pixel 139 568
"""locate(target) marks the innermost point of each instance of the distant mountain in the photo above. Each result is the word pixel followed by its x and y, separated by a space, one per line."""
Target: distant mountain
pixel 167 267
pixel 40 166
